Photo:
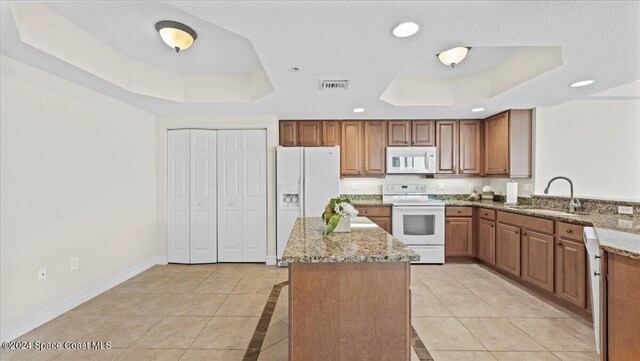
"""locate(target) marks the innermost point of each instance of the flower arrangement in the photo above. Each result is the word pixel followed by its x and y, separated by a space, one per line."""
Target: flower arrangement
pixel 336 209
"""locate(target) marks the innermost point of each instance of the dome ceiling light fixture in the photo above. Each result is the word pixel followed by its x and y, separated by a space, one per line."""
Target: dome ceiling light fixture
pixel 177 35
pixel 453 57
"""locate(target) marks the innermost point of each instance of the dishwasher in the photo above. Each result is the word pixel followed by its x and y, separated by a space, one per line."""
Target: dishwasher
pixel 593 252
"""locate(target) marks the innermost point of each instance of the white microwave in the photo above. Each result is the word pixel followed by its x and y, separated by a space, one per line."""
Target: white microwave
pixel 411 160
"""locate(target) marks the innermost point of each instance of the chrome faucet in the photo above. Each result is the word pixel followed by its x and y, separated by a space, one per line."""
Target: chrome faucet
pixel 573 203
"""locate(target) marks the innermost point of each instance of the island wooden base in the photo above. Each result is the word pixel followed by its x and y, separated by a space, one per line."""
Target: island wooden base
pixel 349 311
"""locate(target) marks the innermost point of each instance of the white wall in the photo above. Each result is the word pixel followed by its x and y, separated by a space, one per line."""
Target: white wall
pixel 596 143
pixel 264 121
pixel 374 185
pixel 78 177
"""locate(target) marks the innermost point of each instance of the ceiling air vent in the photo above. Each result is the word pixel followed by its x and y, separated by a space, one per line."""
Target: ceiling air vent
pixel 334 84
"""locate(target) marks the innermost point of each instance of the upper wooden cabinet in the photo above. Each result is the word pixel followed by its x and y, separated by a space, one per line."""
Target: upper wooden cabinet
pixel 288 133
pixel 330 133
pixel 447 140
pixel 351 148
pixel 399 132
pixel 309 133
pixel 469 140
pixel 423 133
pixel 507 143
pixel 375 143
pixel 417 133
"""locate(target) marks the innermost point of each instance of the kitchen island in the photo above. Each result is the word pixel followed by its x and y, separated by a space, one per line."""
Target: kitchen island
pixel 349 295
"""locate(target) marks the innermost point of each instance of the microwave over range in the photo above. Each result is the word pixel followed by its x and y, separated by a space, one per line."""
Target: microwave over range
pixel 411 160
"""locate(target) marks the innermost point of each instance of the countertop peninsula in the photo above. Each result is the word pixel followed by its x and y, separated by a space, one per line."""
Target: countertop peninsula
pixel 365 243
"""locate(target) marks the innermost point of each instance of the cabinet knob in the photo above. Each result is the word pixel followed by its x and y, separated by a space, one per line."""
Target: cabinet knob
pixel 524 233
pixel 486 214
pixel 459 212
pixel 492 226
pixel 569 231
pixel 517 232
pixel 559 242
pixel 366 212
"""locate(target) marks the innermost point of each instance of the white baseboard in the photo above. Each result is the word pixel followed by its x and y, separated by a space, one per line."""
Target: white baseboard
pixel 271 260
pixel 22 326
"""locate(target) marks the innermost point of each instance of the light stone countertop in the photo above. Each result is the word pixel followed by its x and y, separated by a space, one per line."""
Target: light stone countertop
pixel 616 233
pixel 365 243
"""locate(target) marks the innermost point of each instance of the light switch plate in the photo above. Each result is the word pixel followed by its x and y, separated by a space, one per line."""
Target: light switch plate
pixel 625 210
pixel 42 274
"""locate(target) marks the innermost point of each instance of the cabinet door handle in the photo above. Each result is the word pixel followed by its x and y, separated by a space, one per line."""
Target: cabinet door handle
pixel 596 273
pixel 524 233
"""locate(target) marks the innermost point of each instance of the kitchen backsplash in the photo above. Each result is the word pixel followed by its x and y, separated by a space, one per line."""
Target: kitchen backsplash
pixel 594 206
pixel 434 185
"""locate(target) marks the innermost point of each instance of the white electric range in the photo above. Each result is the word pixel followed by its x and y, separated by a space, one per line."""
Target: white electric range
pixel 417 221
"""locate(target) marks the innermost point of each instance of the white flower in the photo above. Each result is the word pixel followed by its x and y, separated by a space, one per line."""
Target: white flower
pixel 346 210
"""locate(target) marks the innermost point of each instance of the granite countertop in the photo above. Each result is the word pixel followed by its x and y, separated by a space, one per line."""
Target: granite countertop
pixel 616 233
pixel 365 243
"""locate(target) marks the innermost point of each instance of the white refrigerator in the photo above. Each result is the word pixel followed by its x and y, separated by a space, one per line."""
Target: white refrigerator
pixel 307 177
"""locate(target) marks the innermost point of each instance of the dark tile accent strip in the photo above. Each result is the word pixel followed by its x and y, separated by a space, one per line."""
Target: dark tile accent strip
pixel 255 346
pixel 419 347
pixel 253 352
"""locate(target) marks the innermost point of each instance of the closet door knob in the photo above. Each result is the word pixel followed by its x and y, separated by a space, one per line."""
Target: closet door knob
pixel 200 204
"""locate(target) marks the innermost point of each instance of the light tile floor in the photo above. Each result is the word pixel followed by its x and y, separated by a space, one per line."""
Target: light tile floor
pixel 209 312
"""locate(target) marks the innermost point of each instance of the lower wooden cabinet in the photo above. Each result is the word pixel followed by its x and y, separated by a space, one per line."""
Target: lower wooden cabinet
pixel 570 267
pixel 620 292
pixel 508 248
pixel 487 241
pixel 380 215
pixel 537 259
pixel 458 236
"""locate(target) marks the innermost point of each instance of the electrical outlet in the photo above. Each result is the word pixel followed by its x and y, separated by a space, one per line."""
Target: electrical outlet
pixel 42 274
pixel 625 210
pixel 527 188
pixel 354 187
pixel 471 186
pixel 74 263
pixel 440 186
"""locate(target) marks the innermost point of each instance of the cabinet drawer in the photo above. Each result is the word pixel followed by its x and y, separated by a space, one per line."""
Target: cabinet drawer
pixel 533 223
pixel 374 211
pixel 459 212
pixel 487 214
pixel 567 230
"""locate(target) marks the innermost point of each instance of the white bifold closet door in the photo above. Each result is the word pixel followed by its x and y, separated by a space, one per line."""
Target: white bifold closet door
pixel 242 196
pixel 192 203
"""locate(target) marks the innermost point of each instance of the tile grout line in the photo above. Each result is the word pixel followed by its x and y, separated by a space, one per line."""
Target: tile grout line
pixel 255 345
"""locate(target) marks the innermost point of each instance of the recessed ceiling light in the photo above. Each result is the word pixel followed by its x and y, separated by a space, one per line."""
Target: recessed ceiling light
pixel 405 29
pixel 453 57
pixel 581 83
pixel 477 109
pixel 358 110
pixel 177 35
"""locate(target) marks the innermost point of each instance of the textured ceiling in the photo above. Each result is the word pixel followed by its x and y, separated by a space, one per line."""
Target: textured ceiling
pixel 599 40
